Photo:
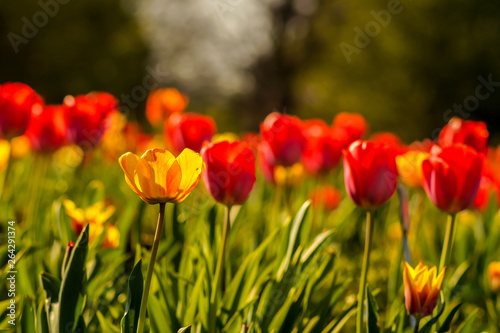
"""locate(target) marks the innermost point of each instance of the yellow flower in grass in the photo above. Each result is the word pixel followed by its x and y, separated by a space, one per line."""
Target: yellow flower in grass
pixel 159 177
pixel 95 215
pixel 494 276
pixel 422 287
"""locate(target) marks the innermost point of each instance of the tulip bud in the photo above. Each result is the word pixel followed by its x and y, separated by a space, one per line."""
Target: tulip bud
pixel 422 287
pixel 494 276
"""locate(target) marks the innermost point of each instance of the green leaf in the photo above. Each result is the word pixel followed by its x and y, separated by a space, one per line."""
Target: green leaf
pixel 186 329
pixel 433 320
pixel 71 294
pixel 292 239
pixel 467 323
pixel 372 312
pixel 51 286
pixel 447 322
pixel 134 297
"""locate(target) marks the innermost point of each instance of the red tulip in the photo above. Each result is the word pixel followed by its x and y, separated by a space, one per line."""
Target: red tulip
pixel 370 173
pixel 391 140
pixel 189 130
pixel 85 117
pixel 323 149
pixel 486 187
pixel 350 126
pixel 47 130
pixel 285 137
pixel 326 197
pixel 230 171
pixel 451 176
pixel 17 102
pixel 471 133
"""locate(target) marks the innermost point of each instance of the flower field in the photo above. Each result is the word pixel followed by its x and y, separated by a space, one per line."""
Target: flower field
pixel 306 226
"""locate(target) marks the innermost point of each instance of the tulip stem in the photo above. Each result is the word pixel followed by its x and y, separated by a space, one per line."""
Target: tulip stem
pixel 416 327
pixel 448 242
pixel 219 269
pixel 154 250
pixel 364 270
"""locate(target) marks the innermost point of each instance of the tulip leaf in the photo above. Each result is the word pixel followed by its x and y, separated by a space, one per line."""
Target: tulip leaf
pixel 186 329
pixel 72 291
pixel 447 322
pixel 433 320
pixel 372 312
pixel 467 323
pixel 292 240
pixel 51 286
pixel 134 297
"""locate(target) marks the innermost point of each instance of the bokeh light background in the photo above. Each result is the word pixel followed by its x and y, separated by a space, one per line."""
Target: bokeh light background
pixel 408 68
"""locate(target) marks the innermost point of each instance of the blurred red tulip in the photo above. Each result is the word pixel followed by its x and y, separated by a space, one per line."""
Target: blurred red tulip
pixel 350 126
pixel 162 103
pixel 323 149
pixel 86 117
pixel 285 137
pixel 47 129
pixel 391 140
pixel 370 173
pixel 230 171
pixel 486 188
pixel 451 176
pixel 17 103
pixel 471 133
pixel 266 159
pixel 326 197
pixel 189 130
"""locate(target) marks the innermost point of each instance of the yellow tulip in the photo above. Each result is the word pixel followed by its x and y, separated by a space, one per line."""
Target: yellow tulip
pixel 410 167
pixel 95 215
pixel 494 276
pixel 422 287
pixel 158 177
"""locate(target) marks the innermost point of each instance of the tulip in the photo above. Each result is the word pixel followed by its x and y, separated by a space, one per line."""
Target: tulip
pixel 494 276
pixel 85 118
pixel 422 287
pixel 189 130
pixel 229 178
pixel 391 140
pixel 410 167
pixel 157 177
pixel 285 137
pixel 370 174
pixel 486 187
pixel 162 103
pixel 230 171
pixel 325 197
pixel 323 149
pixel 17 102
pixel 96 216
pixel 451 177
pixel 350 126
pixel 472 133
pixel 47 130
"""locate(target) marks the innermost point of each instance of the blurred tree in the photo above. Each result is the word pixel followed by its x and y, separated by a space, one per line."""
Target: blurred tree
pixel 62 47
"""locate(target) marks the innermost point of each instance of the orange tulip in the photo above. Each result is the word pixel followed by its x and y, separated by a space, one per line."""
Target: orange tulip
pixel 162 103
pixel 422 287
pixel 494 276
pixel 158 177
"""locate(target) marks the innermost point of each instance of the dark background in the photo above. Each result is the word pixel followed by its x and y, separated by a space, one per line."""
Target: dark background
pixel 414 68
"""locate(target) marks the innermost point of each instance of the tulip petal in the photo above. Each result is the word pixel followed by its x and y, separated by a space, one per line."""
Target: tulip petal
pixel 128 162
pixel 192 167
pixel 152 172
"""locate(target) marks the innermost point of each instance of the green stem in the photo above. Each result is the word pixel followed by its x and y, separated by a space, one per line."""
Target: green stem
pixel 144 301
pixel 364 270
pixel 219 269
pixel 448 242
pixel 417 324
